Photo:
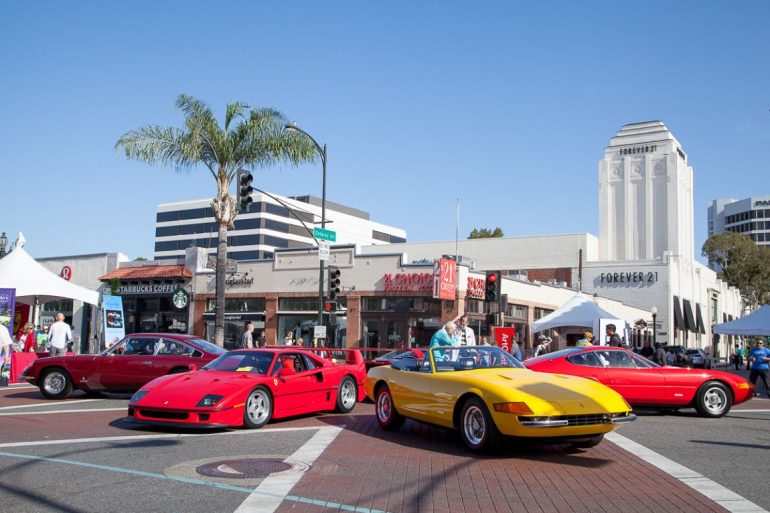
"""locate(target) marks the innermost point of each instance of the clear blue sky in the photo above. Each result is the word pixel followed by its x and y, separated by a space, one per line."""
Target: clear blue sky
pixel 505 105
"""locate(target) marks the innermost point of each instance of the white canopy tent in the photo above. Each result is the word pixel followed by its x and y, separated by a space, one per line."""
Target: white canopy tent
pixel 579 311
pixel 756 323
pixel 36 284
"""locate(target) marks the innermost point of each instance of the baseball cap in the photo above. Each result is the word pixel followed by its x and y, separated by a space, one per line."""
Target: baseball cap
pixel 542 337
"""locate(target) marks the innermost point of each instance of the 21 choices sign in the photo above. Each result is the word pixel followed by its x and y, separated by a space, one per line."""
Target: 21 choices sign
pixel 445 279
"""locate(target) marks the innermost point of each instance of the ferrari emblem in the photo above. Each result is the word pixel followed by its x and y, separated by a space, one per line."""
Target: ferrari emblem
pixel 275 381
pixel 165 402
pixel 582 405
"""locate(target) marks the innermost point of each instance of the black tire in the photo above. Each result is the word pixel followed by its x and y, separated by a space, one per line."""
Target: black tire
pixel 55 383
pixel 587 444
pixel 387 416
pixel 713 399
pixel 477 429
pixel 347 395
pixel 258 408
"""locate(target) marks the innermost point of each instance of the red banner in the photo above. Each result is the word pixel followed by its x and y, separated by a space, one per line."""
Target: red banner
pixel 445 279
pixel 505 337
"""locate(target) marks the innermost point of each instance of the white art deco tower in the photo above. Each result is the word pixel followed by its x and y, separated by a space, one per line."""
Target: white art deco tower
pixel 645 195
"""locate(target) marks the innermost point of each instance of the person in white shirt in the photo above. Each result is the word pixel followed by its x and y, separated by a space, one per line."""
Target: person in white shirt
pixel 58 335
pixel 464 335
pixel 6 342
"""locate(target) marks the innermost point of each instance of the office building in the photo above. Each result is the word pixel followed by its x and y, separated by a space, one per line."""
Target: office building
pixel 749 216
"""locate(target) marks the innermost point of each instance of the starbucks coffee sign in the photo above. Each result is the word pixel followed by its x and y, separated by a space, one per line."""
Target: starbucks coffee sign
pixel 180 298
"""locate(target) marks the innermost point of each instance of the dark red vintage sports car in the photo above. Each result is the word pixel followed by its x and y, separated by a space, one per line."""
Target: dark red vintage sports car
pixel 124 367
pixel 645 384
pixel 248 387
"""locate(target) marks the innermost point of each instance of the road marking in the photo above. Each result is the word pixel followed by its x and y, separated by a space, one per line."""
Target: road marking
pixel 43 404
pixel 11 414
pixel 275 489
pixel 747 411
pixel 262 431
pixel 263 499
pixel 728 499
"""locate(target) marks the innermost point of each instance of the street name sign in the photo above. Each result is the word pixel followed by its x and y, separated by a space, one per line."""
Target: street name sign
pixel 324 234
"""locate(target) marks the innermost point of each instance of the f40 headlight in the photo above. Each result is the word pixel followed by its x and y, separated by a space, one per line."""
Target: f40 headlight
pixel 209 400
pixel 138 395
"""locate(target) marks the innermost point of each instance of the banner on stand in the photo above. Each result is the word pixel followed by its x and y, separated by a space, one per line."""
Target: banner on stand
pixel 8 309
pixel 114 327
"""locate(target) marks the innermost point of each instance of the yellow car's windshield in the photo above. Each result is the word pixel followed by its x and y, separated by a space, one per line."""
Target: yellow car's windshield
pixel 464 358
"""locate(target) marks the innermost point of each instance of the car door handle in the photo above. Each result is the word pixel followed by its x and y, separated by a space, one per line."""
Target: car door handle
pixel 147 363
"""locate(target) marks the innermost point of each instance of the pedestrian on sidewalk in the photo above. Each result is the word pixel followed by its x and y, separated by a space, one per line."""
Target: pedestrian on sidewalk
pixel 59 334
pixel 660 355
pixel 738 357
pixel 759 357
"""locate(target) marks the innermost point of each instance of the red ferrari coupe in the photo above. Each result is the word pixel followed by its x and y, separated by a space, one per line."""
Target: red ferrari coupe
pixel 249 387
pixel 646 384
pixel 124 367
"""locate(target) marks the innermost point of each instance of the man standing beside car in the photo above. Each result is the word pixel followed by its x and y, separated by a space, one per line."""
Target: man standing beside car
pixel 59 334
pixel 613 339
pixel 760 365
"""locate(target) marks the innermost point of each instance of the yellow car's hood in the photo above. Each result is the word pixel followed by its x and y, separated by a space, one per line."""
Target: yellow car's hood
pixel 551 394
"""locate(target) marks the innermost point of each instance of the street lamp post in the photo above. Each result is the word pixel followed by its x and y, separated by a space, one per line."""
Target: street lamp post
pixel 3 244
pixel 322 151
pixel 654 311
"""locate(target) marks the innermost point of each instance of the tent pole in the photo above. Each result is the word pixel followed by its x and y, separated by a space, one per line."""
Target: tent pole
pixel 35 312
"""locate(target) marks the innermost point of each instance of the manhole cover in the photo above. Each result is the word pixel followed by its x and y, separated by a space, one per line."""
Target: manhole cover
pixel 249 468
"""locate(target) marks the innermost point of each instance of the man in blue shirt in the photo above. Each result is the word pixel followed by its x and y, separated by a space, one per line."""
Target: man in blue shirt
pixel 760 364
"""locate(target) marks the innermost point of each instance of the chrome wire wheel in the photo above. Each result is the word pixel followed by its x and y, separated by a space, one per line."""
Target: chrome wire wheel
pixel 384 407
pixel 258 407
pixel 474 425
pixel 55 382
pixel 348 394
pixel 715 400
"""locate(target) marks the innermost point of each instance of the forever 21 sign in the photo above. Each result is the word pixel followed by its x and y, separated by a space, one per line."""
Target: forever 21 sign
pixel 629 277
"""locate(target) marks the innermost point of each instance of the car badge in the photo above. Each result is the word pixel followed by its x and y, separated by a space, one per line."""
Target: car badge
pixel 165 403
pixel 582 405
pixel 275 381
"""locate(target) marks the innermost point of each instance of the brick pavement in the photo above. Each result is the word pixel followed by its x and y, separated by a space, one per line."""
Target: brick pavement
pixel 426 469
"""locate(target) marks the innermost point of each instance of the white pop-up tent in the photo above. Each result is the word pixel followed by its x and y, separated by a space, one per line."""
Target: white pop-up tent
pixel 756 323
pixel 579 311
pixel 36 284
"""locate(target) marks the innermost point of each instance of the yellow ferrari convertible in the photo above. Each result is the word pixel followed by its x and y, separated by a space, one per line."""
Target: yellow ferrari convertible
pixel 485 393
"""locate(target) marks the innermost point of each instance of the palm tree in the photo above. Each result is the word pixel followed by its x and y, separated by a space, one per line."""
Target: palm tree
pixel 250 137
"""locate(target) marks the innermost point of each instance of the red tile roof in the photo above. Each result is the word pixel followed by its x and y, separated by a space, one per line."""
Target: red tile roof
pixel 149 272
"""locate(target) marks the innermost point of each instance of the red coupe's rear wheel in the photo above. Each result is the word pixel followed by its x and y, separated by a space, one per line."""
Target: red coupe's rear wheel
pixel 387 417
pixel 258 408
pixel 347 395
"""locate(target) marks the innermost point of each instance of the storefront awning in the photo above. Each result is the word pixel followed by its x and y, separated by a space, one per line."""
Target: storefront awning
pixel 149 272
pixel 699 320
pixel 689 318
pixel 678 320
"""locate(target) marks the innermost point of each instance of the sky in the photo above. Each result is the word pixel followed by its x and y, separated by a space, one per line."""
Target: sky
pixel 506 106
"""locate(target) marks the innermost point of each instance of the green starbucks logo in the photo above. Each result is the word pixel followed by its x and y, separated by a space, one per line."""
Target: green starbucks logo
pixel 180 298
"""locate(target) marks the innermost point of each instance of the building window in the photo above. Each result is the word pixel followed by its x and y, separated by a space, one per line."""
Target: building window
pixel 239 305
pixel 247 224
pixel 305 217
pixel 167 231
pixel 380 236
pixel 516 311
pixel 278 210
pixel 474 306
pixel 195 213
pixel 163 217
pixel 298 304
pixel 275 242
pixel 243 255
pixel 171 245
pixel 245 240
pixel 275 226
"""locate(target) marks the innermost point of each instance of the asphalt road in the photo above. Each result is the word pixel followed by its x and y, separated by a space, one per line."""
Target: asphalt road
pixel 732 450
pixel 81 455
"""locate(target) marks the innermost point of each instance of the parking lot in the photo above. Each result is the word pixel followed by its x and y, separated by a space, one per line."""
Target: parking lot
pixel 81 455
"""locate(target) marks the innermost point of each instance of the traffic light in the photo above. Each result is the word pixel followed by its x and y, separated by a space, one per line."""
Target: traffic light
pixel 334 283
pixel 244 189
pixel 492 289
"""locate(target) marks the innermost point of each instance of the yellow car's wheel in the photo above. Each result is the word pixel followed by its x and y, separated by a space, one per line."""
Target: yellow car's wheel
pixel 477 428
pixel 387 416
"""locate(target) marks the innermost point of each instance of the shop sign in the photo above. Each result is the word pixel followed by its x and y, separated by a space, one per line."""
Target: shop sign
pixel 444 279
pixel 243 281
pixel 762 203
pixel 114 328
pixel 157 288
pixel 476 287
pixel 408 282
pixel 180 298
pixel 504 337
pixel 638 149
pixel 629 277
pixel 66 272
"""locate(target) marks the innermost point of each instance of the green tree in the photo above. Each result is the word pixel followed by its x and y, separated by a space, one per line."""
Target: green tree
pixel 249 137
pixel 486 233
pixel 742 264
